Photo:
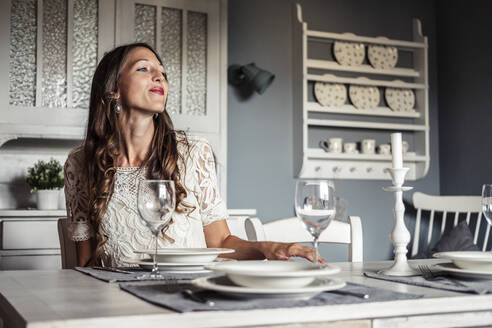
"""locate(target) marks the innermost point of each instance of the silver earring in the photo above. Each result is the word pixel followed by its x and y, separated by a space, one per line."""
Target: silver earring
pixel 118 108
pixel 156 115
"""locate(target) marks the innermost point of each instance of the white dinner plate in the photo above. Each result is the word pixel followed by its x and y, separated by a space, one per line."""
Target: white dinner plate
pixel 186 255
pixel 223 285
pixel 349 53
pixel 147 264
pixel 469 260
pixel 383 57
pixel 463 273
pixel 330 94
pixel 364 97
pixel 399 99
pixel 273 274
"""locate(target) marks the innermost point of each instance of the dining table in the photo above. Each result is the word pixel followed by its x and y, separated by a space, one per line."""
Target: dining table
pixel 69 298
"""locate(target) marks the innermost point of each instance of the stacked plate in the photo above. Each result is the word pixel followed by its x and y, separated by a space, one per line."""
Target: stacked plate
pixel 271 279
pixel 476 265
pixel 179 259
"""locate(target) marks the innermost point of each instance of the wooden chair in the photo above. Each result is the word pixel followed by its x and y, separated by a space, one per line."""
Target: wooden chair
pixel 67 246
pixel 444 207
pixel 291 230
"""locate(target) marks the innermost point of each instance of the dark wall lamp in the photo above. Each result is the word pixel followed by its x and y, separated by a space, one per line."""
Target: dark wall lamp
pixel 250 77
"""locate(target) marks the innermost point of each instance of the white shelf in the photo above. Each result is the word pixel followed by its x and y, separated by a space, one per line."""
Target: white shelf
pixel 351 110
pixel 334 66
pixel 315 153
pixel 366 125
pixel 5 213
pixel 365 39
pixel 364 81
pixel 10 131
pixel 380 121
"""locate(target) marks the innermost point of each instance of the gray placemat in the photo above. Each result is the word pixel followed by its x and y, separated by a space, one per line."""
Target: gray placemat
pixel 169 296
pixel 109 276
pixel 441 282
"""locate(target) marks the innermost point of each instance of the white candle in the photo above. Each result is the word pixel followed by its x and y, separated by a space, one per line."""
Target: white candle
pixel 396 150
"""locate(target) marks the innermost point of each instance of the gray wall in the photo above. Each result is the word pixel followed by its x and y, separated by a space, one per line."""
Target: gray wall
pixel 465 87
pixel 260 150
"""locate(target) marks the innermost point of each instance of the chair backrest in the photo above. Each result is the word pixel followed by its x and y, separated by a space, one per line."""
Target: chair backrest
pixel 67 246
pixel 445 207
pixel 291 230
pixel 235 221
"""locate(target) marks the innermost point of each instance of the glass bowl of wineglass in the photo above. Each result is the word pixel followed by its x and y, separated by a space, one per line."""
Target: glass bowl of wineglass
pixel 156 201
pixel 316 207
pixel 487 202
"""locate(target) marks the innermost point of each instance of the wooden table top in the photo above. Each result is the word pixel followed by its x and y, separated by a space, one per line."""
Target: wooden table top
pixel 70 298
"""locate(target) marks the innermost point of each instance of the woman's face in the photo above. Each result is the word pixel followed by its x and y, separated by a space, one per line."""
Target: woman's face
pixel 143 85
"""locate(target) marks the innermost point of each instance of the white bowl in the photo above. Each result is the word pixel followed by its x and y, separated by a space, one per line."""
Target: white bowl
pixel 186 255
pixel 273 274
pixel 469 260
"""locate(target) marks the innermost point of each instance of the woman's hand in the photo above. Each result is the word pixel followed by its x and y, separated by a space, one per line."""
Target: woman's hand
pixel 217 235
pixel 284 251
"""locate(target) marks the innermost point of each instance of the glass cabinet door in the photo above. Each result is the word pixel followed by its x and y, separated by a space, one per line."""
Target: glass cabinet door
pixel 51 53
pixel 54 44
pixel 186 36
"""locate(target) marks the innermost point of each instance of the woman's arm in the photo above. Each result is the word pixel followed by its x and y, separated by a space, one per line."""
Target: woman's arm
pixel 214 212
pixel 217 235
pixel 77 201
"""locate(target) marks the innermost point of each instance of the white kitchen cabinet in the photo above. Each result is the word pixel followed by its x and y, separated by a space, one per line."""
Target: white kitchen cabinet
pixel 29 239
pixel 190 36
pixel 50 49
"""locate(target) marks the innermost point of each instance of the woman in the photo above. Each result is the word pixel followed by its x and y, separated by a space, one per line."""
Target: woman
pixel 130 137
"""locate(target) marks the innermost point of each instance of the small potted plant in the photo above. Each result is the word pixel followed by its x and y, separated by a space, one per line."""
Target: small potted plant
pixel 46 179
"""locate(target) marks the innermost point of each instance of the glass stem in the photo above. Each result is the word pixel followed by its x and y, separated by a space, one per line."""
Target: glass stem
pixel 155 269
pixel 315 246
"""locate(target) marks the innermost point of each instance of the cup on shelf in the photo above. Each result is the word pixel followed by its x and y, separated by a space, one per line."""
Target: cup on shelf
pixel 368 146
pixel 384 149
pixel 404 147
pixel 332 145
pixel 350 147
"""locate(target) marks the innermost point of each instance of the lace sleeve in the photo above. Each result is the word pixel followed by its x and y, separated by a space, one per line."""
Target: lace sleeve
pixel 77 198
pixel 212 207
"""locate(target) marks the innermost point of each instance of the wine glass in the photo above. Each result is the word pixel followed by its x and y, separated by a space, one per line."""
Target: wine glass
pixel 487 202
pixel 156 202
pixel 315 207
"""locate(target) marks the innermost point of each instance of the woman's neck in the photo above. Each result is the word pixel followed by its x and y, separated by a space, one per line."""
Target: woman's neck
pixel 138 132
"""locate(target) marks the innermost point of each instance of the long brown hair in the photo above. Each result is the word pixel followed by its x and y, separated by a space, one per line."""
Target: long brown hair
pixel 104 141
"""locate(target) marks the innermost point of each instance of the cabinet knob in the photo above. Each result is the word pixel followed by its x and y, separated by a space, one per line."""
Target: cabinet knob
pixel 317 168
pixel 369 170
pixel 336 169
pixel 353 169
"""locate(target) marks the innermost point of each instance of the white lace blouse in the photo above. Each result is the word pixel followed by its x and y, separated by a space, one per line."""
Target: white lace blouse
pixel 121 224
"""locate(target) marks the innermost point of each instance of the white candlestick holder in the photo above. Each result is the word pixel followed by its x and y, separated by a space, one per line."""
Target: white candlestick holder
pixel 400 236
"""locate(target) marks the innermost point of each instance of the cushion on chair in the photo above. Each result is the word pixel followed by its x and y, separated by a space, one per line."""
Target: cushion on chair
pixel 460 238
